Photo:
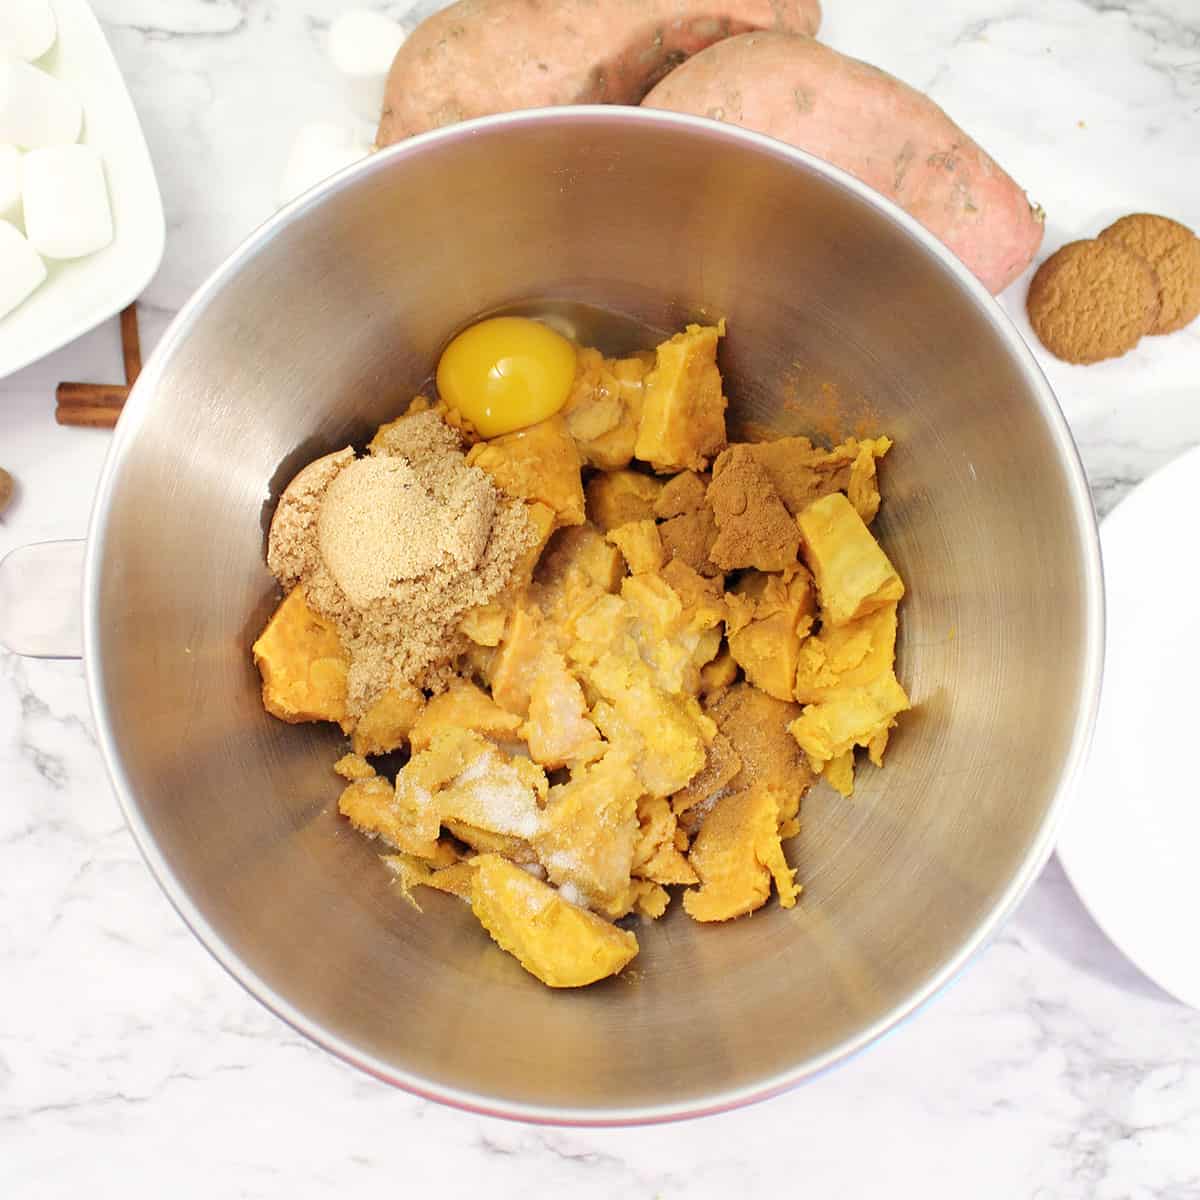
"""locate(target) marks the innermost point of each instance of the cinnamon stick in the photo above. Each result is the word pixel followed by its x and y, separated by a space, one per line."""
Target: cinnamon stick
pixel 91 395
pixel 91 416
pixel 131 344
pixel 98 405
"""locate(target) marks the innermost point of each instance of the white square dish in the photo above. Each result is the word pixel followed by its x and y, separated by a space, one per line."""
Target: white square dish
pixel 78 295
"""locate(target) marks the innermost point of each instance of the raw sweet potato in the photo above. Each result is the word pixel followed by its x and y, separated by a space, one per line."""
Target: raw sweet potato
pixel 489 56
pixel 861 119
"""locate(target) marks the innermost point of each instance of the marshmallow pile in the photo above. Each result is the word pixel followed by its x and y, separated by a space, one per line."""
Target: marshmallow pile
pixel 54 201
pixel 361 46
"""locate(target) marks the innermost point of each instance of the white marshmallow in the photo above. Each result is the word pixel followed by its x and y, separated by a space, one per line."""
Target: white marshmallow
pixel 319 150
pixel 10 181
pixel 67 211
pixel 21 269
pixel 35 108
pixel 27 27
pixel 362 45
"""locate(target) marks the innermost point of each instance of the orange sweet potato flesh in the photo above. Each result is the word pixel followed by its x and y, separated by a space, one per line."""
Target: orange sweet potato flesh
pixel 859 118
pixel 489 56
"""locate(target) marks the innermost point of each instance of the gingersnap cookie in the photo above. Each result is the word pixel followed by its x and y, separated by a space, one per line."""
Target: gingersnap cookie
pixel 1178 274
pixel 1173 252
pixel 1092 300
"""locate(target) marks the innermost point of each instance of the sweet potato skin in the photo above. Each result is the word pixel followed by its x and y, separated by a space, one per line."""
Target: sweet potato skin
pixel 863 120
pixel 489 56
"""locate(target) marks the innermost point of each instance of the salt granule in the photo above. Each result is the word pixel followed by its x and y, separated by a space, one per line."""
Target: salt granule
pixel 507 804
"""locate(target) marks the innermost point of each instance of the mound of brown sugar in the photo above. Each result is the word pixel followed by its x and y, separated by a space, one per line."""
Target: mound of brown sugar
pixel 393 548
pixel 366 505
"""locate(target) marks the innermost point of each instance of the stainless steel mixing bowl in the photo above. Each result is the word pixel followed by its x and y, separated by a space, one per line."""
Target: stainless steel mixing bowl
pixel 842 315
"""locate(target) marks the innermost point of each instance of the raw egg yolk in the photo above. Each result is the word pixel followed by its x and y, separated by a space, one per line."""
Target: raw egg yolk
pixel 506 373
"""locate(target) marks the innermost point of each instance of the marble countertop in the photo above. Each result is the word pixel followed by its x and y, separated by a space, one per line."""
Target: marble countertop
pixel 130 1064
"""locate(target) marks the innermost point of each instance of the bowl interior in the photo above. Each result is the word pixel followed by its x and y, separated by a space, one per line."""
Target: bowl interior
pixel 842 319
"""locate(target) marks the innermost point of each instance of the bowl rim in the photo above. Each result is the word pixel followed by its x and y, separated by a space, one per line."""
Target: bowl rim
pixel 783 1080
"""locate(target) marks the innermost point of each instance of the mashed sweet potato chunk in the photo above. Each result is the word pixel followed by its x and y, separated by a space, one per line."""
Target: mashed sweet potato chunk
pixel 386 725
pixel 854 576
pixel 560 943
pixel 588 831
pixel 736 855
pixel 303 665
pixel 541 463
pixel 683 412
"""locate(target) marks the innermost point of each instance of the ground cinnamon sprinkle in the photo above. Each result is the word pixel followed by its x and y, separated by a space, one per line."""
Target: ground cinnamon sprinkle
pixel 394 548
pixel 754 528
pixel 687 531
